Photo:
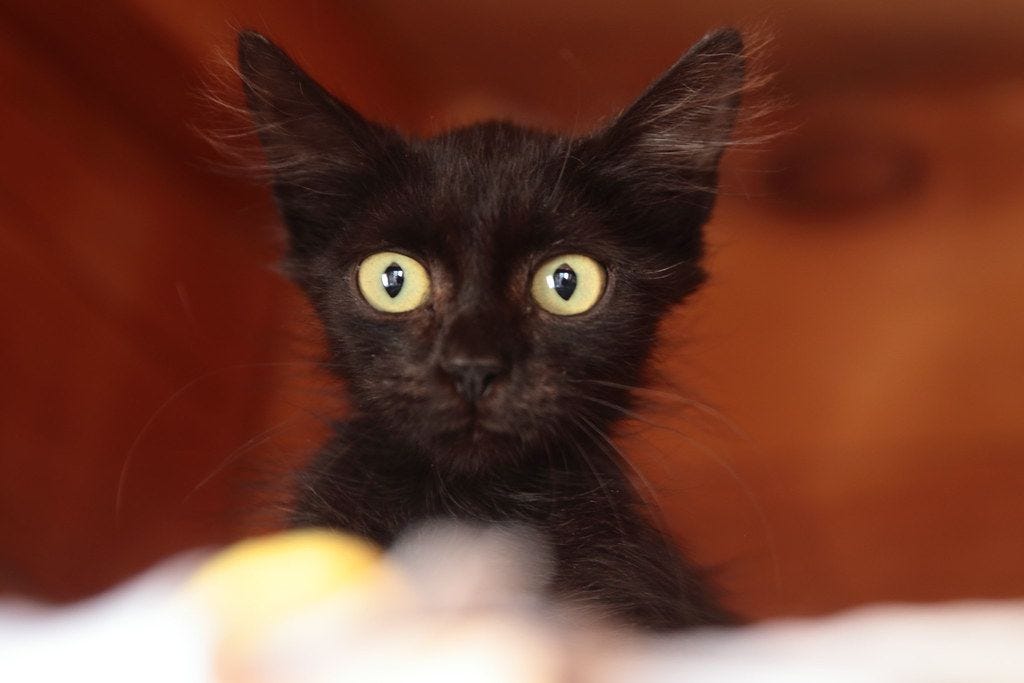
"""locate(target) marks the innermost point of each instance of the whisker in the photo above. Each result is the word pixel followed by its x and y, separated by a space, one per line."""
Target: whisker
pixel 727 467
pixel 708 410
pixel 597 476
pixel 254 441
pixel 132 451
pixel 561 171
pixel 649 495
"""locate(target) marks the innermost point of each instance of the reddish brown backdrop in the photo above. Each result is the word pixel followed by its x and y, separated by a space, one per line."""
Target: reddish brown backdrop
pixel 861 340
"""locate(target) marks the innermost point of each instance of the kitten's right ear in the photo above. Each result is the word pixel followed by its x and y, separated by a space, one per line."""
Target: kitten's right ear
pixel 317 148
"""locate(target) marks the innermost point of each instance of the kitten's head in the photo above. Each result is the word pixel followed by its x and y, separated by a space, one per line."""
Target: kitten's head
pixel 493 289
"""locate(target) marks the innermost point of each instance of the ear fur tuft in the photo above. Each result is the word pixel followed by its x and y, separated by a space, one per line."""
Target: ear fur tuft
pixel 320 152
pixel 671 138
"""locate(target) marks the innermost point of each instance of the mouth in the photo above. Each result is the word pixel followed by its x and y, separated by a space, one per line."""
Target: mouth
pixel 473 430
pixel 461 426
pixel 475 442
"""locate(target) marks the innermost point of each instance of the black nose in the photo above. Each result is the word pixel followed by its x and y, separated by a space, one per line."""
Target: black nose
pixel 472 376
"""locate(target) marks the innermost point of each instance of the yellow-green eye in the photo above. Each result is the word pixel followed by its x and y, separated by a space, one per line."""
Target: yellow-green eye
pixel 393 282
pixel 568 285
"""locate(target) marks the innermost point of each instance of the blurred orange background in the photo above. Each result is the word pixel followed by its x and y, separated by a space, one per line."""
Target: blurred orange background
pixel 860 345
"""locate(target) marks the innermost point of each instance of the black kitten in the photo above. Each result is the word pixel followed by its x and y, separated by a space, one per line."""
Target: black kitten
pixel 489 296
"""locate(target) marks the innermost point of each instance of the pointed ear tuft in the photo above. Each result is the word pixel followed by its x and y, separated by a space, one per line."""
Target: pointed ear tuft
pixel 301 126
pixel 669 141
pixel 319 151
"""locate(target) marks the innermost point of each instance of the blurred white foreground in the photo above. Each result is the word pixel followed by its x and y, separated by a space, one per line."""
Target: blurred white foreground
pixel 461 605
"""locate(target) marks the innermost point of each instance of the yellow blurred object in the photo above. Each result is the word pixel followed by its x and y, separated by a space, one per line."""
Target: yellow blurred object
pixel 256 584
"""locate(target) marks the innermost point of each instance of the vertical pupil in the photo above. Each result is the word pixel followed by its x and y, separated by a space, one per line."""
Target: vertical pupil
pixel 393 278
pixel 563 281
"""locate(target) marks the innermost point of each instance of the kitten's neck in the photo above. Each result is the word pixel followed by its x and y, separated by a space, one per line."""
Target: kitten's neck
pixel 383 484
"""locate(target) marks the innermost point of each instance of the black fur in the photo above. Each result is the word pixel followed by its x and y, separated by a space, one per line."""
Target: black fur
pixel 481 207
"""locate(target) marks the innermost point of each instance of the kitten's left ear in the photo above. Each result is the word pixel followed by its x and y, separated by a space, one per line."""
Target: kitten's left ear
pixel 663 151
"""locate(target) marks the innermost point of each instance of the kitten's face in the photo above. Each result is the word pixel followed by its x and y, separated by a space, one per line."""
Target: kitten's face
pixel 480 367
pixel 487 291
